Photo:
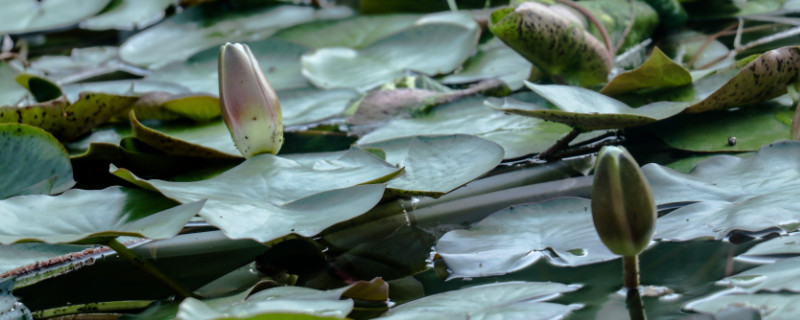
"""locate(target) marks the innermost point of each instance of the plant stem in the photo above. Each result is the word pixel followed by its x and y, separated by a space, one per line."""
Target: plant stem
pixel 630 269
pixel 635 306
pixel 150 268
pixel 560 144
pixel 597 24
pixel 110 306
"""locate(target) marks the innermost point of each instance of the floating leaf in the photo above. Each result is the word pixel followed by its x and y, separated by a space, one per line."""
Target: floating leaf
pixel 33 162
pixel 189 32
pixel 493 60
pixel 355 32
pixel 762 79
pixel 783 245
pixel 768 305
pixel 123 87
pixel 195 107
pixel 92 216
pixel 128 15
pixel 30 16
pixel 587 109
pixel 555 44
pixel 174 146
pixel 506 300
pixel 81 64
pixel 775 277
pixel 12 91
pixel 10 307
pixel 436 46
pixel 434 165
pixel 518 236
pixel 658 71
pixel 40 88
pixel 267 197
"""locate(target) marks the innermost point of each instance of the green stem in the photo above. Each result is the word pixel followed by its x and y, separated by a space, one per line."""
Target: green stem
pixel 150 268
pixel 630 268
pixel 635 306
pixel 110 306
pixel 560 144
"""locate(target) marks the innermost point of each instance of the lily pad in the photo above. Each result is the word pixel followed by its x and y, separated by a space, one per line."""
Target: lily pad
pixel 436 46
pixel 189 32
pixel 783 245
pixel 658 71
pixel 30 16
pixel 81 64
pixel 123 87
pixel 174 146
pixel 12 91
pixel 555 44
pixel 771 306
pixel 92 216
pixel 128 15
pixel 10 307
pixel 22 254
pixel 355 32
pixel 774 277
pixel 516 237
pixel 267 197
pixel 434 165
pixel 33 162
pixel 279 60
pixel 493 60
pixel 762 79
pixel 587 109
pixel 505 300
pixel 518 135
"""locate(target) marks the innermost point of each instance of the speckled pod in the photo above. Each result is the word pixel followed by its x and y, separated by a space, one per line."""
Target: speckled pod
pixel 250 106
pixel 552 42
pixel 623 209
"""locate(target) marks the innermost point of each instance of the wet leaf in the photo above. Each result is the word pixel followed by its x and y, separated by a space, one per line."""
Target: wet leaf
pixel 586 109
pixel 434 165
pixel 30 16
pixel 128 15
pixel 506 300
pixel 518 236
pixel 493 60
pixel 774 277
pixel 555 44
pixel 658 71
pixel 762 79
pixel 436 46
pixel 92 216
pixel 189 32
pixel 267 197
pixel 33 162
pixel 768 305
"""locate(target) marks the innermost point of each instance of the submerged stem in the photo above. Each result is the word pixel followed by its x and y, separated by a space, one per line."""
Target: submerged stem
pixel 150 268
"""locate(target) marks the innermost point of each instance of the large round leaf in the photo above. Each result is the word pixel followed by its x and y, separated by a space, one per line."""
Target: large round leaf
pixel 438 46
pixel 32 162
pixel 770 306
pixel 92 215
pixel 29 16
pixel 189 32
pixel 267 197
pixel 493 59
pixel 355 32
pixel 775 277
pixel 129 15
pixel 517 237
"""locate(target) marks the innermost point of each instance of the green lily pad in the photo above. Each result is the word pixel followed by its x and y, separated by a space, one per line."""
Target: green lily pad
pixel 40 88
pixel 436 46
pixel 434 165
pixel 783 245
pixel 505 300
pixel 174 146
pixel 189 32
pixel 762 79
pixel 770 306
pixel 518 135
pixel 92 216
pixel 123 87
pixel 195 107
pixel 81 64
pixel 10 307
pixel 12 91
pixel 267 197
pixel 308 105
pixel 279 60
pixel 355 32
pixel 775 277
pixel 67 122
pixel 128 15
pixel 658 71
pixel 587 109
pixel 493 60
pixel 560 230
pixel 558 46
pixel 31 16
pixel 33 162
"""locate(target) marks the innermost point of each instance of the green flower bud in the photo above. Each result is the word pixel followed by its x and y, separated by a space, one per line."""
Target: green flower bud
pixel 250 107
pixel 623 208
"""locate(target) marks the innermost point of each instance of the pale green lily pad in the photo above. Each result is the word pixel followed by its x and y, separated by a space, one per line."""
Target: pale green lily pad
pixel 128 15
pixel 437 46
pixel 290 300
pixel 21 254
pixel 558 46
pixel 518 135
pixel 33 162
pixel 187 33
pixel 505 300
pixel 493 60
pixel 12 91
pixel 587 109
pixel 774 277
pixel 10 307
pixel 81 64
pixel 279 59
pixel 777 246
pixel 123 87
pixel 771 306
pixel 657 72
pixel 65 121
pixel 762 79
pixel 195 107
pixel 30 16
pixel 267 197
pixel 355 32
pixel 174 146
pixel 92 215
pixel 518 236
pixel 308 105
pixel 434 165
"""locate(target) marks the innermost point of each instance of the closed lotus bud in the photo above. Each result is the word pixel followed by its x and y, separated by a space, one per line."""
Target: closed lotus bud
pixel 250 107
pixel 623 209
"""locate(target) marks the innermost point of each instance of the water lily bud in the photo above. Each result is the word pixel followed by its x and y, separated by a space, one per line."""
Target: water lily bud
pixel 250 107
pixel 623 209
